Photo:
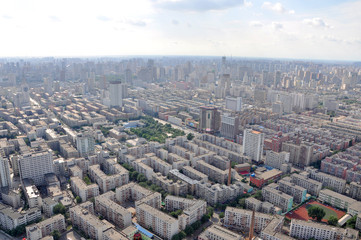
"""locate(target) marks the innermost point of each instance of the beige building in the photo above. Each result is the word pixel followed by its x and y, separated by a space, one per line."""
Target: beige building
pixel 216 232
pixel 113 212
pixel 83 190
pixel 46 227
pixel 162 224
pixel 305 230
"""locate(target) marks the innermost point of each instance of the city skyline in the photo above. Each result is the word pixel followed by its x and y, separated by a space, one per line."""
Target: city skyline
pixel 257 29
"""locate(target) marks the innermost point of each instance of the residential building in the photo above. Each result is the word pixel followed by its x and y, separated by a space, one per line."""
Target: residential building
pixel 242 218
pixel 85 144
pixel 306 230
pixel 261 179
pixel 278 198
pixel 39 230
pixel 5 180
pixel 35 166
pixel 209 119
pixel 253 144
pixel 335 199
pixel 276 159
pixel 313 187
pixel 329 181
pixel 298 193
pixel 83 190
pixel 162 224
pixel 215 232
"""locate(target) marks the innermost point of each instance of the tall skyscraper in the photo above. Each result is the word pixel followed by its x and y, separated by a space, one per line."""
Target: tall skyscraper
pixel 85 144
pixel 253 144
pixel 5 179
pixel 209 119
pixel 116 94
pixel 34 166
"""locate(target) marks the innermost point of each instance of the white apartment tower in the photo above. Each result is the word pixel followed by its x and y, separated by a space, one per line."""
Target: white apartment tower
pixel 35 165
pixel 253 144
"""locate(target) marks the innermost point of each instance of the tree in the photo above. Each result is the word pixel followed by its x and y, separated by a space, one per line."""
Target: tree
pixel 190 136
pixel 221 215
pixel 189 230
pixel 258 195
pixel 59 208
pixel 242 202
pixel 316 213
pixel 56 234
pixel 141 178
pixel 78 199
pixel 210 211
pixel 332 221
pixel 134 175
pixel 351 222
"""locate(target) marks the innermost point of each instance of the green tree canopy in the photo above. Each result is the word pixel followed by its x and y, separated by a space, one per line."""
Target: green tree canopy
pixel 316 213
pixel 332 221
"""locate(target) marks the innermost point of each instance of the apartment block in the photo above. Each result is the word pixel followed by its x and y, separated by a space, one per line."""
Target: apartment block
pixel 305 230
pixel 108 182
pixel 216 232
pixel 273 231
pixel 335 183
pixel 193 210
pixel 113 212
pixel 276 159
pixel 172 187
pixel 298 193
pixel 218 193
pixel 358 222
pixel 10 218
pixel 335 199
pixel 88 223
pixel 313 187
pixel 138 194
pixel 35 166
pixel 194 174
pixel 253 142
pixel 46 227
pixel 241 219
pixel 355 190
pixel 162 224
pixel 83 190
pixel 212 172
pixel 278 198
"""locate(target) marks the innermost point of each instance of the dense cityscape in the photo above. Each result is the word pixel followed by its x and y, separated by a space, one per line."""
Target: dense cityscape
pixel 179 148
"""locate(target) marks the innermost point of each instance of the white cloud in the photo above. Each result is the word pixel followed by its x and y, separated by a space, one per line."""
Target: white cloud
pixel 277 7
pixel 277 26
pixel 256 24
pixel 175 22
pixel 316 22
pixel 248 3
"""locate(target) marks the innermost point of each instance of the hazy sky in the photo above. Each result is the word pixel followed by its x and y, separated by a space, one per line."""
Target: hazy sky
pixel 309 29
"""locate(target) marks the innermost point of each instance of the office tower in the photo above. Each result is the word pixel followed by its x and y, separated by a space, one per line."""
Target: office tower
pixel 234 104
pixel 116 94
pixel 85 144
pixel 253 144
pixel 34 166
pixel 5 180
pixel 209 119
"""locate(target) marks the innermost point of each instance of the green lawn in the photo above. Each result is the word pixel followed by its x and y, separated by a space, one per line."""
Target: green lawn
pixel 328 212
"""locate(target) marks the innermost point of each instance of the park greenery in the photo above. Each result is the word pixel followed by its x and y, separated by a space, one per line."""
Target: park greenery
pixel 332 221
pixel 316 213
pixel 155 131
pixel 59 208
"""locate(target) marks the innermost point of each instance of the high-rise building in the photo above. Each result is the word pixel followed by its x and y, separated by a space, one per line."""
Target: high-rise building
pixel 229 126
pixel 34 166
pixel 209 119
pixel 253 144
pixel 5 179
pixel 234 104
pixel 116 94
pixel 85 144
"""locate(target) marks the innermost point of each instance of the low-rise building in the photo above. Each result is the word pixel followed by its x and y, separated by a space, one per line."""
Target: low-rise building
pixel 46 227
pixel 216 232
pixel 335 199
pixel 298 193
pixel 278 198
pixel 305 230
pixel 264 178
pixel 83 190
pixel 162 224
pixel 313 187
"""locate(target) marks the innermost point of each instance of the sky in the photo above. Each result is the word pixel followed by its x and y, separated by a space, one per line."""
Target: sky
pixel 307 29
